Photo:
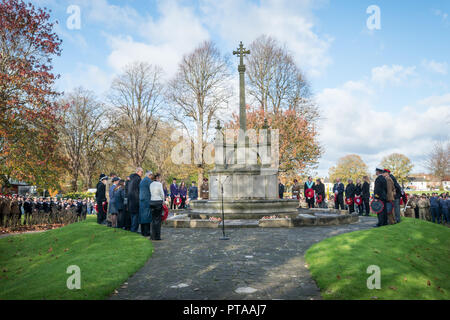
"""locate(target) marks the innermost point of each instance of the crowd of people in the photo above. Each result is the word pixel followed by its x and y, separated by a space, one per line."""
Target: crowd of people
pixel 386 200
pixel 139 201
pixel 18 210
pixel 434 208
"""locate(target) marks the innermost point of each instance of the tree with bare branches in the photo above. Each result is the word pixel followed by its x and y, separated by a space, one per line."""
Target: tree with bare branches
pixel 438 161
pixel 200 88
pixel 83 134
pixel 137 96
pixel 275 82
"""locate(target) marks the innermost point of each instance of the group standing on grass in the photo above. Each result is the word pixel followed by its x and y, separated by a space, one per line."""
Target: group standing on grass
pixel 139 201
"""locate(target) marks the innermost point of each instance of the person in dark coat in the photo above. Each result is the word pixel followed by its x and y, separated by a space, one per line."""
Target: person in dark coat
pixel 133 198
pixel 365 194
pixel 100 198
pixel 126 218
pixel 193 192
pixel 145 217
pixel 358 193
pixel 380 193
pixel 280 189
pixel 183 195
pixel 350 194
pixel 112 210
pixel 309 185
pixel 174 192
pixel 320 191
pixel 338 190
pixel 28 210
pixel 119 202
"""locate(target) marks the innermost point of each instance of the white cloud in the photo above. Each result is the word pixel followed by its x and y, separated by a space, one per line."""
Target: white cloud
pixel 290 22
pixel 176 32
pixel 88 76
pixel 354 124
pixel 437 67
pixel 392 75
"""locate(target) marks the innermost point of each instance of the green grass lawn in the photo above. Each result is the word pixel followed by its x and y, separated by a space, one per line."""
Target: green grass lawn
pixel 34 266
pixel 413 256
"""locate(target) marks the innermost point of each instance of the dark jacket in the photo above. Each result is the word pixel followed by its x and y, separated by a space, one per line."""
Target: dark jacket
pixel 280 189
pixel 320 190
pixel 144 201
pixel 133 193
pixel 398 189
pixel 193 193
pixel 366 190
pixel 119 197
pixel 100 194
pixel 358 190
pixel 339 187
pixel 183 191
pixel 380 191
pixel 350 191
pixel 313 186
pixel 174 191
pixel 434 202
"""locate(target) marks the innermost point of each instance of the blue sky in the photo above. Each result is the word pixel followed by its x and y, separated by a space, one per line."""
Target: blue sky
pixel 380 91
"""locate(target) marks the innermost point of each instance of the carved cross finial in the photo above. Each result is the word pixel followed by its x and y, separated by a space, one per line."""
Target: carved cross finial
pixel 241 52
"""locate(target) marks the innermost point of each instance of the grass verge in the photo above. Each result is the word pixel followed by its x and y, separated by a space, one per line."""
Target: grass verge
pixel 413 257
pixel 34 266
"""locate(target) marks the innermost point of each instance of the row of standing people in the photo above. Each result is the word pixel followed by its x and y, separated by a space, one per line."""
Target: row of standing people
pixel 183 194
pixel 434 208
pixel 136 201
pixel 41 210
pixel 313 192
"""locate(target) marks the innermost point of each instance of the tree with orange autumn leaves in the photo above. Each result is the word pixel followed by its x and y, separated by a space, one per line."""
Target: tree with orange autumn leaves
pixel 28 106
pixel 299 148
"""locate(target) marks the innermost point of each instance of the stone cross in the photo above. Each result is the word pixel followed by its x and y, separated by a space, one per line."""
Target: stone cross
pixel 241 52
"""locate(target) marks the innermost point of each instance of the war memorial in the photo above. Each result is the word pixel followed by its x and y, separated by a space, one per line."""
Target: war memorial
pixel 244 183
pixel 137 165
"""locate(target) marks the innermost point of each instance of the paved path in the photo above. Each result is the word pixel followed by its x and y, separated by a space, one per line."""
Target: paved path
pixel 193 264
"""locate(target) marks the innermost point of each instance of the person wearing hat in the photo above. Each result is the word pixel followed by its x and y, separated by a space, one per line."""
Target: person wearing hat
pixel 204 190
pixel 397 196
pixel 109 184
pixel 100 197
pixel 380 194
pixel 112 211
pixel 390 197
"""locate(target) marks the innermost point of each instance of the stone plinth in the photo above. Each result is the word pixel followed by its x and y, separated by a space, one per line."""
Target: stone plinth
pixel 243 209
pixel 244 184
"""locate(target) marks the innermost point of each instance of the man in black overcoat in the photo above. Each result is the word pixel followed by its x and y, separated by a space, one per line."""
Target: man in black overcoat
pixel 100 197
pixel 133 198
pixel 350 191
pixel 380 193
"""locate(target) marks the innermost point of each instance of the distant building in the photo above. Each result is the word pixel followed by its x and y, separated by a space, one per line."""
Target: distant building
pixel 425 182
pixel 20 188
